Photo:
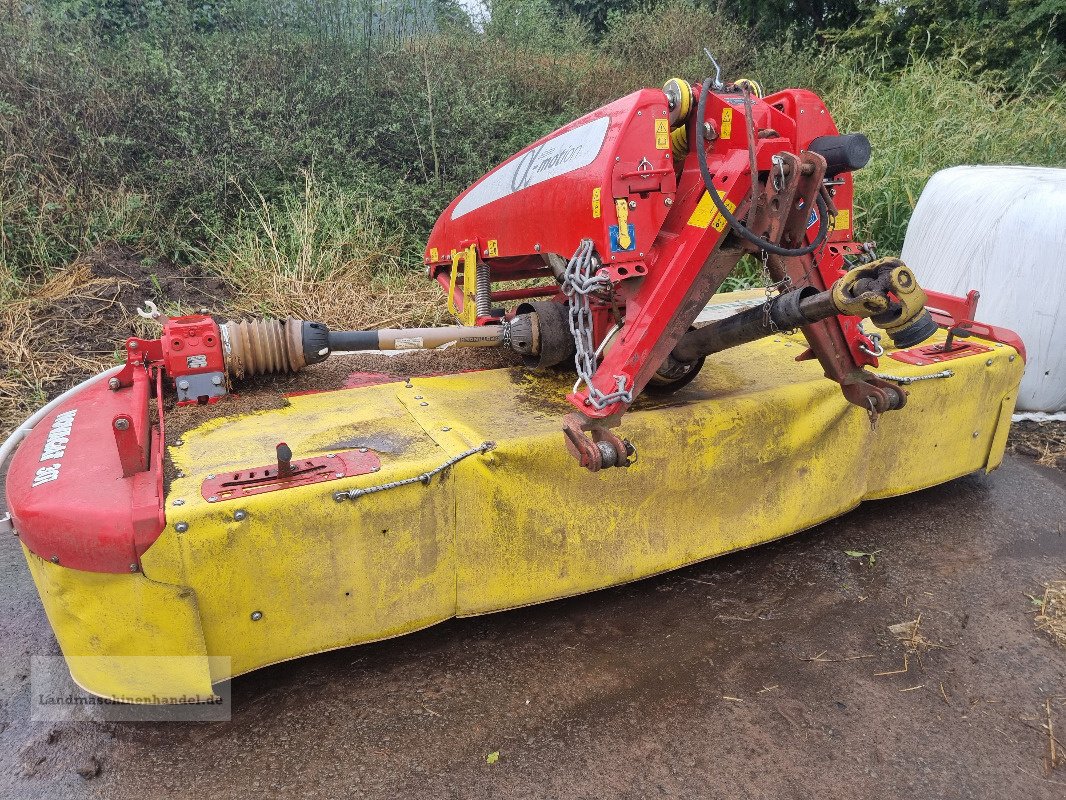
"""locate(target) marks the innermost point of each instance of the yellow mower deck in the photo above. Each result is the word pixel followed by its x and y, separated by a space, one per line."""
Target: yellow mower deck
pixel 758 447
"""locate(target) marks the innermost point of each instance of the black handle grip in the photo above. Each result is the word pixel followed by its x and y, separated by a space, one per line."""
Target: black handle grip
pixel 843 153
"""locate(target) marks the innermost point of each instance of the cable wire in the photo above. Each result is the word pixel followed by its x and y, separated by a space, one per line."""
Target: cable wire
pixel 734 223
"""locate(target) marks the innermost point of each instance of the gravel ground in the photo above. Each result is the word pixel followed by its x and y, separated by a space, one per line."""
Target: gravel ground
pixel 753 675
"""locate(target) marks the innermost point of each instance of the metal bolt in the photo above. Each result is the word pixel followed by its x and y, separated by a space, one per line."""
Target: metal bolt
pixel 423 404
pixel 212 499
pixel 976 434
pixel 537 247
pixel 375 469
pixel 988 363
pixel 122 424
pixel 331 455
pixel 133 567
pixel 418 397
pixel 256 616
pixel 55 559
pixel 632 203
pixel 669 201
pixel 641 255
pixel 179 502
pixel 210 477
pixel 181 527
pixel 617 159
pixel 178 443
pixel 133 345
pixel 114 384
pixel 362 449
pixel 180 474
pixel 445 429
pixel 183 384
pixel 240 515
pixel 217 380
pixel 640 113
pixel 1011 358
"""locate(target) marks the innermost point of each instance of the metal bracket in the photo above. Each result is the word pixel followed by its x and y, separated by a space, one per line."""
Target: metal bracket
pixel 262 479
pixel 191 388
pixel 938 353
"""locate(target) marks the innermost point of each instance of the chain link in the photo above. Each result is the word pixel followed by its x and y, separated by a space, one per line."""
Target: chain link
pixel 875 340
pixel 425 477
pixel 905 379
pixel 781 286
pixel 579 281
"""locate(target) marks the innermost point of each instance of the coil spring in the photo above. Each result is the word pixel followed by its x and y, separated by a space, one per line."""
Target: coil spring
pixel 482 287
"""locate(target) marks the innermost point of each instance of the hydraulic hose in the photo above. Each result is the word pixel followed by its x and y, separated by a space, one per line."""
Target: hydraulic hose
pixel 734 223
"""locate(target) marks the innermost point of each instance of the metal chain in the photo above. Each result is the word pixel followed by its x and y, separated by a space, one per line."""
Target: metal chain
pixel 578 283
pixel 905 379
pixel 781 286
pixel 424 478
pixel 875 340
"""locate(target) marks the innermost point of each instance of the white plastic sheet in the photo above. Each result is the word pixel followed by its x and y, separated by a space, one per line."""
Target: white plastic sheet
pixel 1002 231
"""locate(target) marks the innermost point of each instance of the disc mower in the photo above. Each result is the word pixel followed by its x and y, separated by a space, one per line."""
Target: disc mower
pixel 651 422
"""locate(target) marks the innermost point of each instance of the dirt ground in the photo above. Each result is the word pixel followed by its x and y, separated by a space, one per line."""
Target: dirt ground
pixel 769 673
pixel 1044 441
pixel 772 673
pixel 71 326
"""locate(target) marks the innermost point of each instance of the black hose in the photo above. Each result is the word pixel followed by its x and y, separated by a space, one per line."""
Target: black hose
pixel 734 223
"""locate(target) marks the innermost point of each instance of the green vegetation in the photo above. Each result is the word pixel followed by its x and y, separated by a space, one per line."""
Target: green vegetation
pixel 302 144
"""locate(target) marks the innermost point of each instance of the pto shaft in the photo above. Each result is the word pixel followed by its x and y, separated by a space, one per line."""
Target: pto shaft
pixel 885 291
pixel 265 346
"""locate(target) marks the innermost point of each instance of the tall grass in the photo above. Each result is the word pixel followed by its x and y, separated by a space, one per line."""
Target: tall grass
pixel 319 253
pixel 932 116
pixel 188 133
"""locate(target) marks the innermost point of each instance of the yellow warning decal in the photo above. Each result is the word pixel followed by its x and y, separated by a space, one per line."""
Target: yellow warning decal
pixel 493 249
pixel 596 203
pixel 705 213
pixel 434 256
pixel 843 220
pixel 662 134
pixel 727 123
pixel 621 208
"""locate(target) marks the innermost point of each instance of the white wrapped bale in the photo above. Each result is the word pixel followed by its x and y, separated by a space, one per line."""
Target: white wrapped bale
pixel 1002 231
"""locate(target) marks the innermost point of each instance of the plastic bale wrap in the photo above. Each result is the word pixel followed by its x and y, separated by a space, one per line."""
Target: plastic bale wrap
pixel 1002 231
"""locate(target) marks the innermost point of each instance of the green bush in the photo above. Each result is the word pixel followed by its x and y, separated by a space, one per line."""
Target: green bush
pixel 159 125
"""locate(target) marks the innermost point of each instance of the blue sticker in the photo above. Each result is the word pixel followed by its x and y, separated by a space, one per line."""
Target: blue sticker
pixel 812 219
pixel 615 247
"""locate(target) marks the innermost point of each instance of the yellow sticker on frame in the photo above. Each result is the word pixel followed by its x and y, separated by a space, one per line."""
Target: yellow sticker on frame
pixel 434 255
pixel 493 249
pixel 706 214
pixel 596 210
pixel 662 134
pixel 727 123
pixel 843 220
